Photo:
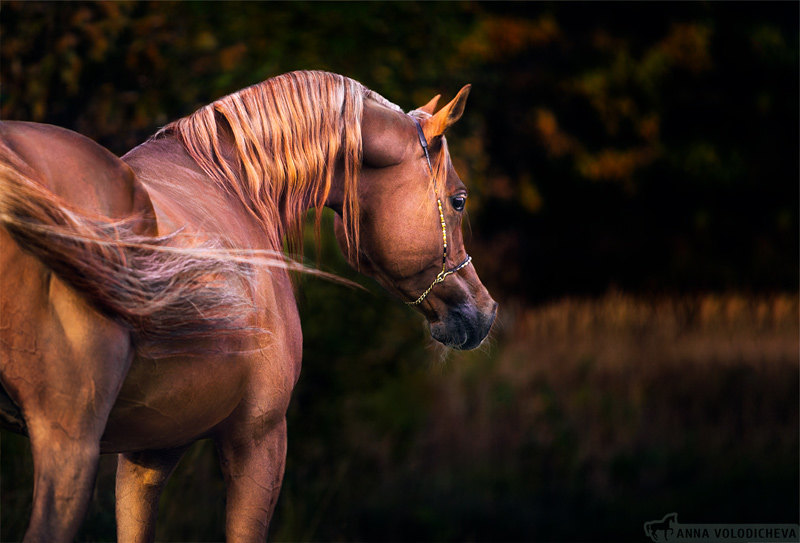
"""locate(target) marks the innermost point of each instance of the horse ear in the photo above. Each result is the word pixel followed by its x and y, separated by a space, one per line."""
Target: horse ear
pixel 447 116
pixel 430 107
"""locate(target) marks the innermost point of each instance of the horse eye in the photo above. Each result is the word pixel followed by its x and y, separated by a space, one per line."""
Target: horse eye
pixel 458 202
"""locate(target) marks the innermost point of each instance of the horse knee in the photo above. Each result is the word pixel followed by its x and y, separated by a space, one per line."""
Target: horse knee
pixel 65 459
pixel 64 472
pixel 64 462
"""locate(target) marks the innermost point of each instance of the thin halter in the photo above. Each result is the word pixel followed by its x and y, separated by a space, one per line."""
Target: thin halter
pixel 445 272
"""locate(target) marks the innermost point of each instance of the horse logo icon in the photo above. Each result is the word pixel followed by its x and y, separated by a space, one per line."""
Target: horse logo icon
pixel 661 530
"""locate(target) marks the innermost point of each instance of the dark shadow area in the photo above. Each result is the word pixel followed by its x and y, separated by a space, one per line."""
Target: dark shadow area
pixel 633 173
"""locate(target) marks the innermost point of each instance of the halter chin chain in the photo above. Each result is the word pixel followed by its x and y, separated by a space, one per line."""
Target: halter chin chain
pixel 445 272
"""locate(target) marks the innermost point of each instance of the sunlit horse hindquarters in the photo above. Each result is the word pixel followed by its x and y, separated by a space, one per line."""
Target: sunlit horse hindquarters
pixel 145 303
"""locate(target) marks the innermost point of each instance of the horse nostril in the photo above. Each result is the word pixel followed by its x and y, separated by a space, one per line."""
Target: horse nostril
pixel 438 331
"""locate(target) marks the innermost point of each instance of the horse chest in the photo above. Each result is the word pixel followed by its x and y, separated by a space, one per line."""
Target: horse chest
pixel 165 402
pixel 170 401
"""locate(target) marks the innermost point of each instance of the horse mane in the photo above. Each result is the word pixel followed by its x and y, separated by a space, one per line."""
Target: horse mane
pixel 275 145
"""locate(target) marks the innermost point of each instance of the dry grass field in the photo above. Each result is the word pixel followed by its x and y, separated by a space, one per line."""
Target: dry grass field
pixel 594 416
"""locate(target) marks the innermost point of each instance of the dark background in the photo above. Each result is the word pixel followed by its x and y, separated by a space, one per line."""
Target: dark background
pixel 633 176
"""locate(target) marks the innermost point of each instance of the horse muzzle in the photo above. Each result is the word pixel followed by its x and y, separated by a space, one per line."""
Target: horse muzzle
pixel 464 327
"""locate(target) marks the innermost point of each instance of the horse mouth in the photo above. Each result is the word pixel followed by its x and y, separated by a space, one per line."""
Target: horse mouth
pixel 464 328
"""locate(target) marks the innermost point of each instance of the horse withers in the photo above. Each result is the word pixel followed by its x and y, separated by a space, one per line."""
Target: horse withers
pixel 146 302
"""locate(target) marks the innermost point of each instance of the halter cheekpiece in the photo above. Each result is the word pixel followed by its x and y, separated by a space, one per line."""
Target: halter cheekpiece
pixel 445 272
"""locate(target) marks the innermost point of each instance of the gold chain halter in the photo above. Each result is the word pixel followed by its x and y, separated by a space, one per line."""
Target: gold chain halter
pixel 445 272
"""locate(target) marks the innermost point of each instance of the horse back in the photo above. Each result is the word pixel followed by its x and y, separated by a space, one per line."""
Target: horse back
pixel 77 170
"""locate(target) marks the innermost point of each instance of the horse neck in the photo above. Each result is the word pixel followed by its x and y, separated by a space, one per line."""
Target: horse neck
pixel 185 198
pixel 293 202
pixel 290 202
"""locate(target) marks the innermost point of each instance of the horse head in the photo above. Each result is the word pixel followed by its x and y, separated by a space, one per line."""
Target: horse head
pixel 412 204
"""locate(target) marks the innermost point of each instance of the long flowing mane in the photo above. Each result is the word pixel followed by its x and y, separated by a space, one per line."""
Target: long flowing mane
pixel 274 145
pixel 287 134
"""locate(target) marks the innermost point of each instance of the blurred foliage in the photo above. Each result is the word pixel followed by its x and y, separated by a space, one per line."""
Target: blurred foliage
pixel 651 148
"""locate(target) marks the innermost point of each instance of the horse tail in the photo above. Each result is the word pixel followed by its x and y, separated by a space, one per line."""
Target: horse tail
pixel 148 284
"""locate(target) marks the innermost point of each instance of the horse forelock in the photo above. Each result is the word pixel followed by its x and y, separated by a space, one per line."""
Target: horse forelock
pixel 287 133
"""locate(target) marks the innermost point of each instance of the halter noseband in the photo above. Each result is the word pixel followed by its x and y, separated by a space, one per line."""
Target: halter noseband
pixel 445 272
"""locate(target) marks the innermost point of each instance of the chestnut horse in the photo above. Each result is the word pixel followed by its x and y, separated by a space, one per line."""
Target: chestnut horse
pixel 146 302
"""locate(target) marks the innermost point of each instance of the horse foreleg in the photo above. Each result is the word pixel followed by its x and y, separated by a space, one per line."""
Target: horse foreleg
pixel 63 365
pixel 64 473
pixel 253 470
pixel 65 429
pixel 141 477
